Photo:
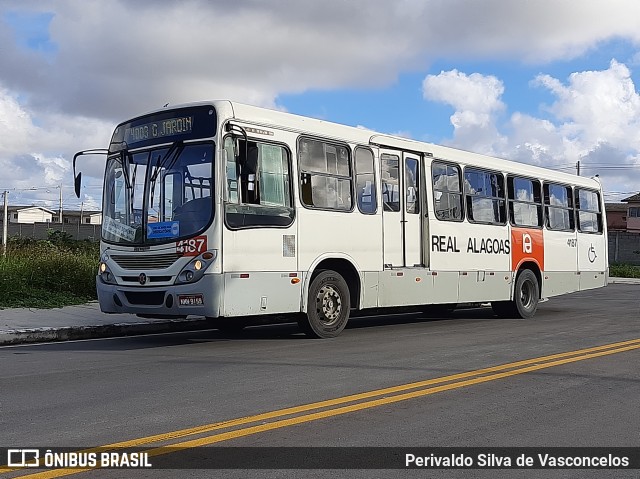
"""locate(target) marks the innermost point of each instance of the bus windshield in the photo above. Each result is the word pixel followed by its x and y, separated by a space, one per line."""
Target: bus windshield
pixel 158 195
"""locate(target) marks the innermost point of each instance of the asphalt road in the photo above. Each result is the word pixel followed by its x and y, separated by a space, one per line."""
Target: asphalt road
pixel 99 392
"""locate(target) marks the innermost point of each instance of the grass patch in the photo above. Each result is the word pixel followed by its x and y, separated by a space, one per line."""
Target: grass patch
pixel 48 274
pixel 624 271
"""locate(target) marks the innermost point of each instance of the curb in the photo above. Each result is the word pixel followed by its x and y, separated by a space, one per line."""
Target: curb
pixel 42 335
pixel 615 280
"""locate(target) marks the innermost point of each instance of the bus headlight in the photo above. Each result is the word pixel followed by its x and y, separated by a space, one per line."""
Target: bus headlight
pixel 194 269
pixel 105 273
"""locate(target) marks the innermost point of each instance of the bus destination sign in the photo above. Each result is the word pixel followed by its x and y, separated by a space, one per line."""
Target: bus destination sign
pixel 165 127
pixel 159 129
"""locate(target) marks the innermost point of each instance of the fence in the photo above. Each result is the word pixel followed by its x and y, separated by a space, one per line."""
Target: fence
pixel 624 247
pixel 40 230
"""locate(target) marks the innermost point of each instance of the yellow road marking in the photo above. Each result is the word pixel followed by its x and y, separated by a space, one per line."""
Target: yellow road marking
pixel 454 381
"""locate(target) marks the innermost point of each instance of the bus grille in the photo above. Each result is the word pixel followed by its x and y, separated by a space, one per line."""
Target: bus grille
pixel 151 261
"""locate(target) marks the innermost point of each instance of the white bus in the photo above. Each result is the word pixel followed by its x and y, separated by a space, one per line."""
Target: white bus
pixel 229 211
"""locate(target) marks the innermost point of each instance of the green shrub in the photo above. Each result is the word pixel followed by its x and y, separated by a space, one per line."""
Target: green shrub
pixel 621 270
pixel 48 273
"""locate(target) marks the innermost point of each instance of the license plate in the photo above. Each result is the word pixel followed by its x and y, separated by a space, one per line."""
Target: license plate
pixel 190 300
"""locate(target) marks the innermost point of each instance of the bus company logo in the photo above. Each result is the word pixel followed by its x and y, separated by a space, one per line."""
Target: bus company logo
pixel 142 279
pixel 527 243
pixel 23 458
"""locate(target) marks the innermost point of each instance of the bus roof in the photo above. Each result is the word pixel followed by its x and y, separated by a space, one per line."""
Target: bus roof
pixel 274 118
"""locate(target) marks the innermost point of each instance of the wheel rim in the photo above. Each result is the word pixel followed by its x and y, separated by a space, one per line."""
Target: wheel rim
pixel 527 293
pixel 328 304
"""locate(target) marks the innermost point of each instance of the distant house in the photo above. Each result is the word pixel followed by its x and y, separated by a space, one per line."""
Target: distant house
pixel 93 219
pixel 30 214
pixel 616 216
pixel 73 217
pixel 633 213
pixel 40 214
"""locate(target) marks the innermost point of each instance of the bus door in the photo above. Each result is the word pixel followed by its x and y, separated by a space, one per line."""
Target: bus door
pixel 402 206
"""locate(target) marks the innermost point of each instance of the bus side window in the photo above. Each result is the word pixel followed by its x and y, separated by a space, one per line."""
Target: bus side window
pixel 447 195
pixel 365 181
pixel 558 200
pixel 589 212
pixel 412 185
pixel 525 201
pixel 258 186
pixel 325 175
pixel 390 182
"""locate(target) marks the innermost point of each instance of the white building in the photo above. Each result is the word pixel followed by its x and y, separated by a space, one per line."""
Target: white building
pixel 30 214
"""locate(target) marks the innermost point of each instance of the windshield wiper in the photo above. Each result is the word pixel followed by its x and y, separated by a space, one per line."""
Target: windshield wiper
pixel 123 148
pixel 170 157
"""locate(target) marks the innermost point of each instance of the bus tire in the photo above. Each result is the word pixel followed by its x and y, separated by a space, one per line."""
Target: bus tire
pixel 327 307
pixel 526 296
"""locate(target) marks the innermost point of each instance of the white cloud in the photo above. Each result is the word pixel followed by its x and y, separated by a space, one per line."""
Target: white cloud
pixel 474 93
pixel 114 59
pixel 598 106
pixel 476 100
pixel 35 151
pixel 595 119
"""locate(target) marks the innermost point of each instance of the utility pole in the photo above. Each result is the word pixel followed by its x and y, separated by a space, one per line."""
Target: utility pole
pixel 80 221
pixel 578 168
pixel 60 216
pixel 4 223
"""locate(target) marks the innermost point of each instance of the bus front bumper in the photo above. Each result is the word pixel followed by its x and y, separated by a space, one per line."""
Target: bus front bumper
pixel 202 298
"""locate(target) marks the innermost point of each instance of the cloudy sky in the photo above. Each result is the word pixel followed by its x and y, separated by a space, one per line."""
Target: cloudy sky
pixel 547 82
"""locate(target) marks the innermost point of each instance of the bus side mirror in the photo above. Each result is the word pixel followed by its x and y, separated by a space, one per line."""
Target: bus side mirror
pixel 78 183
pixel 77 177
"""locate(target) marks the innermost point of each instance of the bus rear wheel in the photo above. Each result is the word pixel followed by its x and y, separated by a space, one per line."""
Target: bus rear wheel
pixel 526 296
pixel 327 306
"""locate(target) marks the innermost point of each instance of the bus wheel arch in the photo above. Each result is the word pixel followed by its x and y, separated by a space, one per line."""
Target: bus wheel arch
pixel 526 294
pixel 334 288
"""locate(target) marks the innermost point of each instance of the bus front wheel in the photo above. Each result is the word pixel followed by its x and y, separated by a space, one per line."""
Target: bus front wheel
pixel 526 296
pixel 327 307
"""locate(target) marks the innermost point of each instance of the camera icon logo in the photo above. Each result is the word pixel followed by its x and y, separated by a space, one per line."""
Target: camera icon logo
pixel 23 458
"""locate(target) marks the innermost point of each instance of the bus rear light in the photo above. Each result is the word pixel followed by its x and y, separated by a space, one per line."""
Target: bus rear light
pixel 293 275
pixel 418 279
pixel 295 280
pixel 244 275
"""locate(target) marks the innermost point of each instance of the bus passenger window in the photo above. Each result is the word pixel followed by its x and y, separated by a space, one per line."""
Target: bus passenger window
pixel 589 212
pixel 446 191
pixel 558 200
pixel 525 202
pixel 485 197
pixel 412 185
pixel 258 190
pixel 365 181
pixel 390 182
pixel 325 175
